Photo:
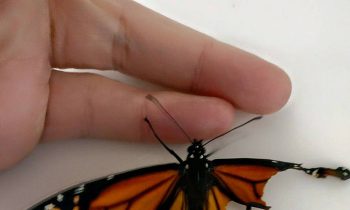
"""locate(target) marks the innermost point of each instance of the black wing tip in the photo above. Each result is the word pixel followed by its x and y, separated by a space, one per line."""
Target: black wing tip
pixel 321 172
pixel 343 173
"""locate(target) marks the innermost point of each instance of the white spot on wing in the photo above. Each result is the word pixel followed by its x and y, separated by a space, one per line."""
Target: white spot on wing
pixel 49 206
pixel 315 173
pixel 110 177
pixel 60 197
pixel 80 189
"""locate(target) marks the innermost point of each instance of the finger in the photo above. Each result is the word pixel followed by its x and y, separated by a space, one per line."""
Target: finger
pixel 106 35
pixel 24 77
pixel 87 105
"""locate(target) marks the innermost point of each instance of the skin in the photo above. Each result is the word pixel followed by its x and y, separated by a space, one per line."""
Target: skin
pixel 210 79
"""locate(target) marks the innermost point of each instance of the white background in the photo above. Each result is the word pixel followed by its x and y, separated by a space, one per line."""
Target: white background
pixel 309 39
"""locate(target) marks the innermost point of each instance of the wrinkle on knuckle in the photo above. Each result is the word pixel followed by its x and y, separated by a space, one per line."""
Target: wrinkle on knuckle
pixel 59 33
pixel 199 66
pixel 121 44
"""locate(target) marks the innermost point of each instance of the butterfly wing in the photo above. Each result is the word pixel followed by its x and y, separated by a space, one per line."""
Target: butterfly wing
pixel 217 200
pixel 243 180
pixel 177 202
pixel 133 190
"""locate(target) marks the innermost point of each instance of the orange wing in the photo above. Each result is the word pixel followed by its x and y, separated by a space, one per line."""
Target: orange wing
pixel 137 192
pixel 243 180
pixel 152 187
pixel 217 200
pixel 179 202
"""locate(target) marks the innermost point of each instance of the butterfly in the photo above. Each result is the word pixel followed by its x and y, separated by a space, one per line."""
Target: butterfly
pixel 194 183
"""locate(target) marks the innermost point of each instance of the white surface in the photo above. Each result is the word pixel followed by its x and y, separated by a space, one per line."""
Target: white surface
pixel 310 39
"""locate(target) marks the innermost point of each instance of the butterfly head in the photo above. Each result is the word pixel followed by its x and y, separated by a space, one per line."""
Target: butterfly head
pixel 196 149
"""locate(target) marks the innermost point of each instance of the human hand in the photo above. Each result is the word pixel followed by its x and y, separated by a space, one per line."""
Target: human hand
pixel 41 104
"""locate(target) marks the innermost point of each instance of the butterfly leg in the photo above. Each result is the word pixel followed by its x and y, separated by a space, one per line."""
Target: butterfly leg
pixel 321 172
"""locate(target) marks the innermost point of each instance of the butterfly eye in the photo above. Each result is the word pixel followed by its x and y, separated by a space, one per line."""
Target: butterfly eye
pixel 190 149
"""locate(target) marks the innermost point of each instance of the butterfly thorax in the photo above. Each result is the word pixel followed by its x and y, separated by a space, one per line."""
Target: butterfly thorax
pixel 197 175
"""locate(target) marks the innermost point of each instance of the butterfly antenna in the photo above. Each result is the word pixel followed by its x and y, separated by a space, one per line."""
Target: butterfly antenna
pixel 162 142
pixel 160 106
pixel 249 121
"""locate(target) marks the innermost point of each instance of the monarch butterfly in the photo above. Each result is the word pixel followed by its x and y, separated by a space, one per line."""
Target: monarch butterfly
pixel 195 183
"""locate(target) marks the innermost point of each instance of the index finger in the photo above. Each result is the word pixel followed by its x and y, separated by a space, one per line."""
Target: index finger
pixel 126 36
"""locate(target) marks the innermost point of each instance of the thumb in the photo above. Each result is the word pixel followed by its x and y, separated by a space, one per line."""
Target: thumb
pixel 24 77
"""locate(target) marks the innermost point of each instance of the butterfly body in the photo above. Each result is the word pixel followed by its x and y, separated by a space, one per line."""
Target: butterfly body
pixel 196 177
